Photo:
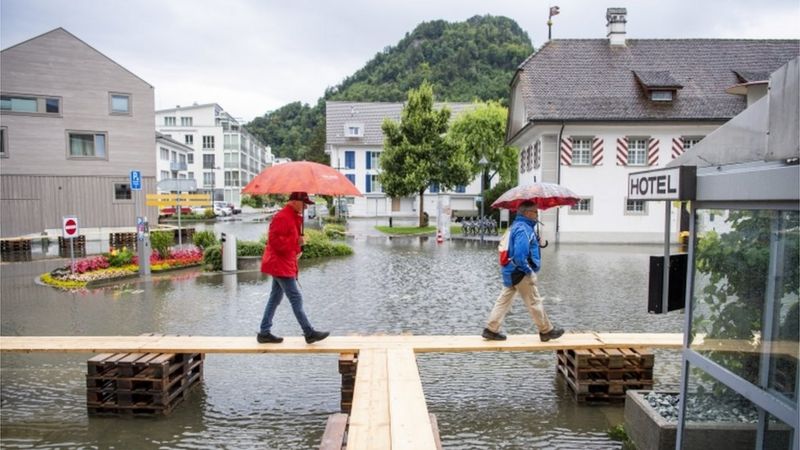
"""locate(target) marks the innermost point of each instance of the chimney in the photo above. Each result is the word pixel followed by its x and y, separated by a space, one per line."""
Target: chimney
pixel 616 18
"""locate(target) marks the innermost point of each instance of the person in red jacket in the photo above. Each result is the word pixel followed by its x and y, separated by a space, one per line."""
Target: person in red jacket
pixel 284 246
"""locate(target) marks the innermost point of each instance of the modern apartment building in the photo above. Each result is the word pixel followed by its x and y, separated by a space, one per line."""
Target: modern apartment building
pixel 224 157
pixel 173 157
pixel 354 141
pixel 75 123
pixel 586 112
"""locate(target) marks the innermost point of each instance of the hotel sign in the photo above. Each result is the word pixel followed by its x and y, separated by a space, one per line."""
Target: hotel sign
pixel 674 183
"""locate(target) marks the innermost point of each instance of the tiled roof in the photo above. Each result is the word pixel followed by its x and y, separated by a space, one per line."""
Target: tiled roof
pixel 651 79
pixel 587 79
pixel 749 76
pixel 371 115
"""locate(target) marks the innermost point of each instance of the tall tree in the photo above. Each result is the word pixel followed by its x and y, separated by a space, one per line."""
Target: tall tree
pixel 481 133
pixel 417 154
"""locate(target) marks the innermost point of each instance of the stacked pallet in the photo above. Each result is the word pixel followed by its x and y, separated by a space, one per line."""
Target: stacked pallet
pixel 140 383
pixel 120 240
pixel 348 362
pixel 78 246
pixel 603 375
pixel 15 249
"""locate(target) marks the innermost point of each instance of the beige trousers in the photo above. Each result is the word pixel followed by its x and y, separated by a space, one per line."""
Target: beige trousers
pixel 533 301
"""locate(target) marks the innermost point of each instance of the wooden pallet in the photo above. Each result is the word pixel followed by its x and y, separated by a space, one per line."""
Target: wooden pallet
pixel 78 246
pixel 140 384
pixel 604 375
pixel 18 249
pixel 120 240
pixel 348 363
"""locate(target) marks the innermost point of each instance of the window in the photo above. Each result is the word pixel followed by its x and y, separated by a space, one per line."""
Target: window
pixel 174 156
pixel 352 178
pixel 354 130
pixel 581 152
pixel 637 151
pixel 164 154
pixel 349 159
pixel 169 121
pixel 373 185
pixel 182 159
pixel 208 179
pixel 190 175
pixel 86 144
pixel 119 103
pixel 434 188
pixel 208 161
pixel 231 141
pixel 30 104
pixel 186 121
pixel 584 206
pixel 190 158
pixel 635 207
pixel 661 96
pixel 3 142
pixel 232 178
pixel 208 142
pixel 122 191
pixel 188 139
pixel 690 141
pixel 231 160
pixel 373 160
pixel 164 175
pixel 460 189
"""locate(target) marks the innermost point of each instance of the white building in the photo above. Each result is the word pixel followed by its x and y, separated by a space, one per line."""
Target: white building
pixel 224 156
pixel 172 158
pixel 586 112
pixel 354 141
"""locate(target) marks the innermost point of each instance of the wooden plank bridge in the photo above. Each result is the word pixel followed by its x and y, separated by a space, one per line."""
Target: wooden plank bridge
pixel 388 410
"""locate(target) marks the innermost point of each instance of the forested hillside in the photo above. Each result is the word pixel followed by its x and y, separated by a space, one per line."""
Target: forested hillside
pixel 464 61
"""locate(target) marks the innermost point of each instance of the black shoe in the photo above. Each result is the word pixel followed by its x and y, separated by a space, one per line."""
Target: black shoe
pixel 492 336
pixel 316 336
pixel 268 338
pixel 555 333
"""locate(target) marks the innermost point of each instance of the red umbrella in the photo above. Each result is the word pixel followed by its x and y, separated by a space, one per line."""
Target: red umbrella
pixel 301 176
pixel 544 195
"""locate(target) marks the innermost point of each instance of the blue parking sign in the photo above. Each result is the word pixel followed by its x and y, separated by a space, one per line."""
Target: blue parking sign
pixel 136 180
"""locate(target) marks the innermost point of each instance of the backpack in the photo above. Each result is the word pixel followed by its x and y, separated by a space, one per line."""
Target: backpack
pixel 502 248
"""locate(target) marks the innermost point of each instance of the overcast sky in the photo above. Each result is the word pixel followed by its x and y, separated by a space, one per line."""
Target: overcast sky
pixel 253 56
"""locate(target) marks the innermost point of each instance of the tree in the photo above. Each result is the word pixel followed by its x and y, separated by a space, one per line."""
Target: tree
pixel 416 153
pixel 481 133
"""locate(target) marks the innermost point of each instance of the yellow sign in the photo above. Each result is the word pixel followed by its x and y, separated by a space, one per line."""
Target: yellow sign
pixel 178 199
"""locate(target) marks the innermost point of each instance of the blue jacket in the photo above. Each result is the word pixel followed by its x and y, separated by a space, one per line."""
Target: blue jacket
pixel 523 249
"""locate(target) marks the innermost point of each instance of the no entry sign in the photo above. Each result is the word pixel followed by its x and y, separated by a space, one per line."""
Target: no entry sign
pixel 69 228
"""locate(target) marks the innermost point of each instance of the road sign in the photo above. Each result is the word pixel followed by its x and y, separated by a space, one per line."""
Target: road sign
pixel 136 180
pixel 69 227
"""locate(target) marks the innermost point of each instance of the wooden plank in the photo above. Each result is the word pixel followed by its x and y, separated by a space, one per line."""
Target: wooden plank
pixel 435 428
pixel 410 423
pixel 333 437
pixel 369 417
pixel 334 344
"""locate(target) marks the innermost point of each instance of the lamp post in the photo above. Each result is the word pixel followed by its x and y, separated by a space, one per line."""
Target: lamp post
pixel 483 162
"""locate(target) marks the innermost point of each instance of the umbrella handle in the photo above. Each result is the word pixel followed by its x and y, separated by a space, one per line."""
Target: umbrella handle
pixel 546 243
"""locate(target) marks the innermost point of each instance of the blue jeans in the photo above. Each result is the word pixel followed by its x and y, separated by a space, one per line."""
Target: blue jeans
pixel 286 286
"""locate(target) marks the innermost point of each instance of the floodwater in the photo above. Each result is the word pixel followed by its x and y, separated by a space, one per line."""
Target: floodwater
pixel 408 285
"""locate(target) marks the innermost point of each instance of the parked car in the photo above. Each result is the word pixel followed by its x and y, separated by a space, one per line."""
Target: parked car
pixel 234 209
pixel 171 210
pixel 222 209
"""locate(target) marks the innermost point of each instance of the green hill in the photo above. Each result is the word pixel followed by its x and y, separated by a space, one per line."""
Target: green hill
pixel 464 61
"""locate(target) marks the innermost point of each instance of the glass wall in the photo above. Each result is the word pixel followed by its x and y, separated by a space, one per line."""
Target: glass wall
pixel 745 324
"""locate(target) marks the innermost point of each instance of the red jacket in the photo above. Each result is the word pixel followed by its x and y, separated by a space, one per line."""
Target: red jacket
pixel 283 244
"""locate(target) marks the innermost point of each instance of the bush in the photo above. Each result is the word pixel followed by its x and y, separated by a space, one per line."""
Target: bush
pixel 119 258
pixel 334 230
pixel 205 239
pixel 212 257
pixel 333 219
pixel 161 241
pixel 249 248
pixel 209 213
pixel 317 245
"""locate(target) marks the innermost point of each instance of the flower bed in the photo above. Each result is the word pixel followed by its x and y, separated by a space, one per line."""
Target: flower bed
pixel 117 264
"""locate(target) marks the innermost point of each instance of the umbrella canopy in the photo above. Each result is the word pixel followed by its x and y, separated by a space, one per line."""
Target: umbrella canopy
pixel 301 176
pixel 544 195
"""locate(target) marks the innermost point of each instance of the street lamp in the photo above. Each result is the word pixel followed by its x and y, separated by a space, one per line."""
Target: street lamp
pixel 483 162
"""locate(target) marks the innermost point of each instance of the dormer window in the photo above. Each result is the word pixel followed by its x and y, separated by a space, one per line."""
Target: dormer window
pixel 659 86
pixel 354 130
pixel 661 96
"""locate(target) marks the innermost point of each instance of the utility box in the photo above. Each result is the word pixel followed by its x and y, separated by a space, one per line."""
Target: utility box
pixel 228 252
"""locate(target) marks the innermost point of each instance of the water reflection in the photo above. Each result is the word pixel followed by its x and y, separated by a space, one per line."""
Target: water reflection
pixel 482 400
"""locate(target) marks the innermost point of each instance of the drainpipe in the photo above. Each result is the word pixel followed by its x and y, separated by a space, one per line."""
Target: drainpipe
pixel 558 177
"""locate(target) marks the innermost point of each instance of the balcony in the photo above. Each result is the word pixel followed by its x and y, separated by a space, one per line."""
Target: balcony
pixel 176 166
